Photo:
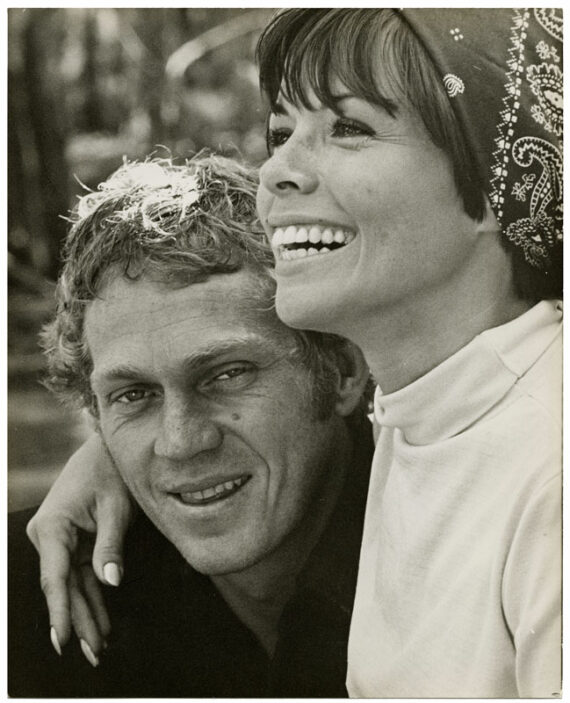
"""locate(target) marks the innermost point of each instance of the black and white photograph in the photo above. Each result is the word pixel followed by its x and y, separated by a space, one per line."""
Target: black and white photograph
pixel 284 352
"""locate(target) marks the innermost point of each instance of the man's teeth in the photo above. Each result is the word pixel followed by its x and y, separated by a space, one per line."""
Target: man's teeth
pixel 220 490
pixel 297 242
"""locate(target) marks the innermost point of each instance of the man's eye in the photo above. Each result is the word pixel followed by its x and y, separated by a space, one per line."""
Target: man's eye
pixel 344 127
pixel 231 373
pixel 231 377
pixel 131 396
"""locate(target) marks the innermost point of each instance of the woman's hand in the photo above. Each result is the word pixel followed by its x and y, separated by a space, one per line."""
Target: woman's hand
pixel 88 498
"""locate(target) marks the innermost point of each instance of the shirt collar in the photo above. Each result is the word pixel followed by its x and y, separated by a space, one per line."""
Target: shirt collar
pixel 451 397
pixel 331 569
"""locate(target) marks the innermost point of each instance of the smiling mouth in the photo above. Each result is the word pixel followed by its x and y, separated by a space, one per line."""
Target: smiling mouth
pixel 297 242
pixel 213 494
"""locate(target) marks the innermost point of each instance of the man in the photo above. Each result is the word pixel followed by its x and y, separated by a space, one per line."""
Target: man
pixel 240 439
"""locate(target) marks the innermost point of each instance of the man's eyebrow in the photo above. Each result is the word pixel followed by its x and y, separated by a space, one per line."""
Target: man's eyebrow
pixel 124 372
pixel 252 344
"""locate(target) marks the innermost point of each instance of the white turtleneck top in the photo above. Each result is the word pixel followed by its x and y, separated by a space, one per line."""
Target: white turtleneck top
pixel 459 588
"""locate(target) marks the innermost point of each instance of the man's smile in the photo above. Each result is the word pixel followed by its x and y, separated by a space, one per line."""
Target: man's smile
pixel 214 492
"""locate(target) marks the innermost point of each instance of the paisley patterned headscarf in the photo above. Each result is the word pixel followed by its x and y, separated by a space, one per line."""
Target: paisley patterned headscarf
pixel 502 70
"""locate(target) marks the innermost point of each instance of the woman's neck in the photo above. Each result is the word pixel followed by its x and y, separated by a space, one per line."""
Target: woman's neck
pixel 410 338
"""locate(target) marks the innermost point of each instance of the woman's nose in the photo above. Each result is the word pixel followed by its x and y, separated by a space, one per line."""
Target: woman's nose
pixel 290 169
pixel 186 432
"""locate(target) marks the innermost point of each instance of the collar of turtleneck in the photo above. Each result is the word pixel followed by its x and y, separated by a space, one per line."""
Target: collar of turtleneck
pixel 454 395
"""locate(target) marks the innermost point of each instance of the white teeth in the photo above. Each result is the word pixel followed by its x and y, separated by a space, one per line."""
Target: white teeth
pixel 302 236
pixel 289 235
pixel 314 235
pixel 277 237
pixel 285 239
pixel 212 491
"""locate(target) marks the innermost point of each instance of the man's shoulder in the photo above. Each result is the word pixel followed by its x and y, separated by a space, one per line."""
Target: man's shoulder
pixel 34 668
pixel 158 585
pixel 23 560
pixel 17 522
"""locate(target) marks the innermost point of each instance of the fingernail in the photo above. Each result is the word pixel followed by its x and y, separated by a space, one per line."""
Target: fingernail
pixel 112 573
pixel 54 640
pixel 91 658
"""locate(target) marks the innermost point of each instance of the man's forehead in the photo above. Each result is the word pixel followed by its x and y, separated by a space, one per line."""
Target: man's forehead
pixel 125 363
pixel 132 302
pixel 144 320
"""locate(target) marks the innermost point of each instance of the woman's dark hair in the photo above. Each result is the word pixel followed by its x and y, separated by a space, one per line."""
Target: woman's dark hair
pixel 305 49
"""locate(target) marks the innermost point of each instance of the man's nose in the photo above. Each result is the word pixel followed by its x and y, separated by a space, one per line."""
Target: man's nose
pixel 186 430
pixel 291 168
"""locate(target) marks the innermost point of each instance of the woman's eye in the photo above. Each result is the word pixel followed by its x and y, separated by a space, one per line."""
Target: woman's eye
pixel 344 127
pixel 277 137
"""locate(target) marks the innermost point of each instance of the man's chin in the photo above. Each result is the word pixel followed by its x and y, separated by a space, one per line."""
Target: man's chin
pixel 222 564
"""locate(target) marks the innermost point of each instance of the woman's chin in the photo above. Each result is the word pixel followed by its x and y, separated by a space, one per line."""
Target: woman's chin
pixel 299 312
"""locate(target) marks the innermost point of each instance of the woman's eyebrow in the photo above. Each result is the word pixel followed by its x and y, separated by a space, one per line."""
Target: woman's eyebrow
pixel 279 109
pixel 341 96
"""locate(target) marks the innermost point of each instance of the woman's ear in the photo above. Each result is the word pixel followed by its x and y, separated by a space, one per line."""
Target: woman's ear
pixel 352 380
pixel 489 223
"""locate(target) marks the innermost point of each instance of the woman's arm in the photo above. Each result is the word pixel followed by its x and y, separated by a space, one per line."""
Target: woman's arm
pixel 88 498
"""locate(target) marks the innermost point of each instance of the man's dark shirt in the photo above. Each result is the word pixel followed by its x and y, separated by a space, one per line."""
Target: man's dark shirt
pixel 173 634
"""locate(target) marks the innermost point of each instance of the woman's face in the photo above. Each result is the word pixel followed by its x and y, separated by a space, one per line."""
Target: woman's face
pixel 362 212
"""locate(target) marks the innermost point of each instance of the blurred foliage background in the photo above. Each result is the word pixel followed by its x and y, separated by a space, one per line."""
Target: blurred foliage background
pixel 87 87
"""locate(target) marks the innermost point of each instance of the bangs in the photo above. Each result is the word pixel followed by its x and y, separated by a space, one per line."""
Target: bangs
pixel 304 50
pixel 378 57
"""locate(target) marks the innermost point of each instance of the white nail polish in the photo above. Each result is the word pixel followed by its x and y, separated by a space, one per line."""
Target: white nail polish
pixel 91 658
pixel 54 640
pixel 112 573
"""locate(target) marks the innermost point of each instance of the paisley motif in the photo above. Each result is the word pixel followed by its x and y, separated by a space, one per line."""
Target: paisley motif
pixel 537 234
pixel 548 188
pixel 453 84
pixel 503 73
pixel 546 83
pixel 550 20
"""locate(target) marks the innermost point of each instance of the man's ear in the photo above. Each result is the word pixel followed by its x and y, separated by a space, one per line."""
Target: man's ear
pixel 90 415
pixel 352 379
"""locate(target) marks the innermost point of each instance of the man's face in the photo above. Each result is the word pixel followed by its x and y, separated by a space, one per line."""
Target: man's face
pixel 207 417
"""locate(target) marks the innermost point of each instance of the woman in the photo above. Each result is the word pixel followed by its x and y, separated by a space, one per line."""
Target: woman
pixel 413 201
